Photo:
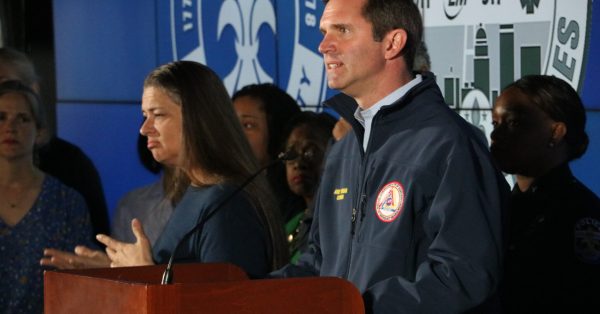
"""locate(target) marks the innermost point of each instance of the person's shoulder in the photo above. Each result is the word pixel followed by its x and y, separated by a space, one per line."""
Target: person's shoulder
pixel 586 227
pixel 343 104
pixel 148 192
pixel 344 150
pixel 211 191
pixel 140 199
pixel 214 195
pixel 224 199
pixel 54 189
pixel 58 155
pixel 59 145
pixel 53 183
pixel 587 199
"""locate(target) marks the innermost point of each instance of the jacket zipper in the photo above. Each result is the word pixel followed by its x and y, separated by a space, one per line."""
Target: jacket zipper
pixel 360 205
pixel 352 228
pixel 362 201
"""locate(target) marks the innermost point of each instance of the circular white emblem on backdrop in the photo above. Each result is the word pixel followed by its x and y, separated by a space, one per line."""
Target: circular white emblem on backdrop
pixel 248 41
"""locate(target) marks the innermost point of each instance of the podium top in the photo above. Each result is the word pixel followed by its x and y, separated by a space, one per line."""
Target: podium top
pixel 182 273
pixel 200 288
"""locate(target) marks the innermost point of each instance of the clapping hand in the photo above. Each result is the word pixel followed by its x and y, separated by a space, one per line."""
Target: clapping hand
pixel 128 254
pixel 83 257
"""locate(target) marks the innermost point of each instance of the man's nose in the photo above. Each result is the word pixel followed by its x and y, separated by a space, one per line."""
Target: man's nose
pixel 326 44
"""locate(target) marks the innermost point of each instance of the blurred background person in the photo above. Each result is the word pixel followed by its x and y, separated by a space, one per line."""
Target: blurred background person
pixel 308 135
pixel 553 258
pixel 184 125
pixel 36 210
pixel 148 203
pixel 422 62
pixel 340 129
pixel 56 156
pixel 264 111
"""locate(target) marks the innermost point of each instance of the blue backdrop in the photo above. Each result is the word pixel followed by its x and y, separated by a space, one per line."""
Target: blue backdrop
pixel 104 49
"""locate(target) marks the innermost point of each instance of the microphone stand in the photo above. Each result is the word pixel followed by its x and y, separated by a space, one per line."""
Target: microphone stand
pixel 167 277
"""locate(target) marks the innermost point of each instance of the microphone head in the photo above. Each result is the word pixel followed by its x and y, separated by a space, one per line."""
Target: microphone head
pixel 290 154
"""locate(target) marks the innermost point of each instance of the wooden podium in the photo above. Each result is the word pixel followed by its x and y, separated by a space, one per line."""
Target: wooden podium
pixel 197 288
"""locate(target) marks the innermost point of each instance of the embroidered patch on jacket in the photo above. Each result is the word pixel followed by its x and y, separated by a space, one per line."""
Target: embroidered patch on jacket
pixel 340 193
pixel 390 201
pixel 587 240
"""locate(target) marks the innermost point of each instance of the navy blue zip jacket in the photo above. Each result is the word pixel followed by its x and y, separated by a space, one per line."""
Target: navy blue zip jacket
pixel 416 221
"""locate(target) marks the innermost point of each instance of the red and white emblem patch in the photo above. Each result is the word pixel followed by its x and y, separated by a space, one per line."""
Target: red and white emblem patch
pixel 390 201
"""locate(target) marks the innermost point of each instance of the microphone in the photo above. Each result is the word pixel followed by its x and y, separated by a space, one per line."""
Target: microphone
pixel 167 277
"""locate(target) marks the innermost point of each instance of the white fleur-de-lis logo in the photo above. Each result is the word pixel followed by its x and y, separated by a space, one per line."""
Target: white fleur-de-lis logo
pixel 246 18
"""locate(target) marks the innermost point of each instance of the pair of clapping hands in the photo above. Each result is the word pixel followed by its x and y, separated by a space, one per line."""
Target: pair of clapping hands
pixel 117 253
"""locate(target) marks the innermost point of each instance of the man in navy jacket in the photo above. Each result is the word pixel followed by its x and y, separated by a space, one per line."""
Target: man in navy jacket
pixel 410 207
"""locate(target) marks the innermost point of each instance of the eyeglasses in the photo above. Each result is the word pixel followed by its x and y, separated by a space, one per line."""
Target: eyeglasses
pixel 307 154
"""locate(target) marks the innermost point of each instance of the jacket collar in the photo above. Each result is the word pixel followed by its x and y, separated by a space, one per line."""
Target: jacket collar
pixel 345 105
pixel 552 182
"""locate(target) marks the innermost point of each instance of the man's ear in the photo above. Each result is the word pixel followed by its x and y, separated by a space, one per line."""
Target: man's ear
pixel 395 43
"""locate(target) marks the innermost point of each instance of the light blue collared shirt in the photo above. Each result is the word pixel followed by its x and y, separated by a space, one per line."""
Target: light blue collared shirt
pixel 365 117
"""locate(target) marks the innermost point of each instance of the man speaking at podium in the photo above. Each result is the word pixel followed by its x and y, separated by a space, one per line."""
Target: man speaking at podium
pixel 410 205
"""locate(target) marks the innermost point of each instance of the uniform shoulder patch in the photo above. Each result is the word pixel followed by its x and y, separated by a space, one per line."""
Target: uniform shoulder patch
pixel 587 240
pixel 390 201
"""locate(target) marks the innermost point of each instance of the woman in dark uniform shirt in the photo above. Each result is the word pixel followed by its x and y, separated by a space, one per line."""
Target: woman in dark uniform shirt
pixel 553 257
